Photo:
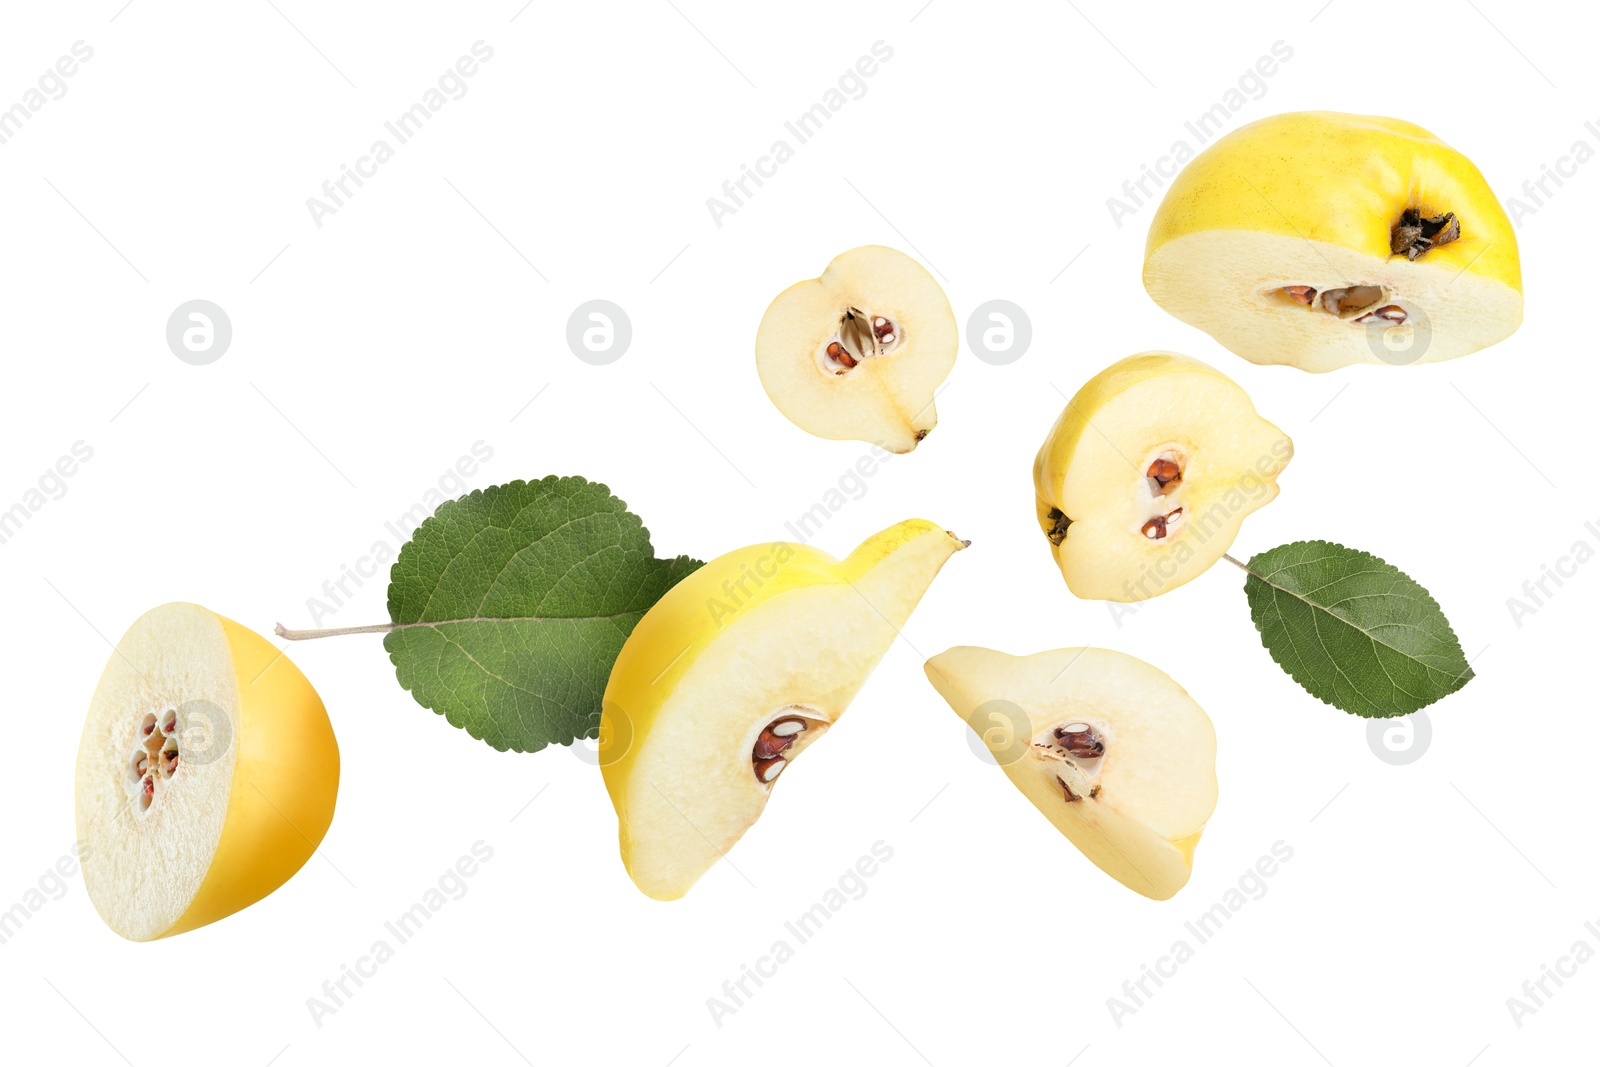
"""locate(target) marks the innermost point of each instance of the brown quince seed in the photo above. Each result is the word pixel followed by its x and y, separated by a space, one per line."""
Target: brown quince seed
pixel 1164 471
pixel 1080 740
pixel 769 745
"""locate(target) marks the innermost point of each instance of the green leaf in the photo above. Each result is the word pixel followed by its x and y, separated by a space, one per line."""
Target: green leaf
pixel 1356 632
pixel 511 604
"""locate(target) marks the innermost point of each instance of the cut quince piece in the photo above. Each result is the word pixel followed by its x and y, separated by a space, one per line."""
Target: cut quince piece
pixel 1319 239
pixel 206 775
pixel 856 354
pixel 1148 473
pixel 732 674
pixel 1114 753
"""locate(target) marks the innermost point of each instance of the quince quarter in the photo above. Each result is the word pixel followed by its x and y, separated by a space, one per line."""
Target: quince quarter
pixel 857 354
pixel 1112 751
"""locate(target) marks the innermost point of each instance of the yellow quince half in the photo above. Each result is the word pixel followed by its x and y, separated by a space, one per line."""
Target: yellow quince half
pixel 1145 478
pixel 734 673
pixel 1319 239
pixel 206 775
pixel 1113 752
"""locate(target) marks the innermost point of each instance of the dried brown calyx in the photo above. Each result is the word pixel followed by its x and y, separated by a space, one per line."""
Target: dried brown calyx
pixel 1058 526
pixel 1414 235
pixel 861 335
pixel 770 754
pixel 155 755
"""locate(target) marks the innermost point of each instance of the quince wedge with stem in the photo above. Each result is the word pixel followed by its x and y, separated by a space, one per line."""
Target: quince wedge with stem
pixel 1145 478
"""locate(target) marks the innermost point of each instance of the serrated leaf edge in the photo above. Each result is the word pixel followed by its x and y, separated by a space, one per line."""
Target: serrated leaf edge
pixel 1456 684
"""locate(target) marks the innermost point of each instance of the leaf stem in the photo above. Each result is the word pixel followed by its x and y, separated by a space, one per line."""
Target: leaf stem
pixel 309 635
pixel 1236 563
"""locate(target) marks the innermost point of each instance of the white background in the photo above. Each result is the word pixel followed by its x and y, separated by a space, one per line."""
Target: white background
pixel 372 352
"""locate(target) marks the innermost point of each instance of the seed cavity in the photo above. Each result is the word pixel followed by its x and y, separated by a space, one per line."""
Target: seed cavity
pixel 861 335
pixel 156 755
pixel 1393 315
pixel 1166 473
pixel 1162 526
pixel 1359 304
pixel 1077 748
pixel 767 755
pixel 1079 739
pixel 1351 301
